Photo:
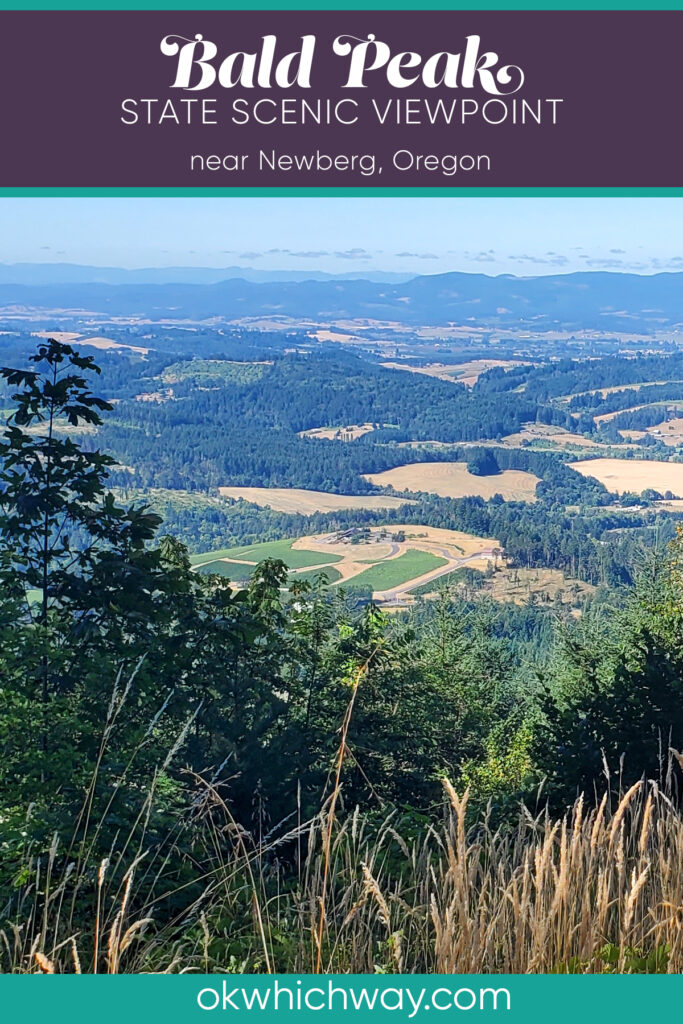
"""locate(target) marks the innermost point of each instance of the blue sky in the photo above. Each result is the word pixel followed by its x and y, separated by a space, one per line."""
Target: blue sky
pixel 428 236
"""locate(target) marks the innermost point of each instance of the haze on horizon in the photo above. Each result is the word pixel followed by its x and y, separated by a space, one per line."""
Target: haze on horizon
pixel 521 236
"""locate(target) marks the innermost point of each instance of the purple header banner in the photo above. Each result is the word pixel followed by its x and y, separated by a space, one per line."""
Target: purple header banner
pixel 341 98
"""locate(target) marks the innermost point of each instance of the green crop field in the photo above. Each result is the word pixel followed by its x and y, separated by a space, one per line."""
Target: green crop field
pixel 238 571
pixel 311 574
pixel 449 579
pixel 233 570
pixel 211 556
pixel 282 549
pixel 396 571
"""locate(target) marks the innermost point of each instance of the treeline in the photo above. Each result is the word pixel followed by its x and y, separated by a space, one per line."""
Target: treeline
pixel 617 400
pixel 583 377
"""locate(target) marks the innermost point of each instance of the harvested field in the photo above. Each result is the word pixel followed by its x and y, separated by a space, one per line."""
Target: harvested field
pixel 467 373
pixel 292 499
pixel 107 343
pixel 554 435
pixel 453 480
pixel 334 336
pixel 619 475
pixel 669 432
pixel 71 337
pixel 64 337
pixel 339 433
pixel 633 435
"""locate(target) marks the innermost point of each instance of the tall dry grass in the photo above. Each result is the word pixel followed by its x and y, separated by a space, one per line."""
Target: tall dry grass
pixel 598 890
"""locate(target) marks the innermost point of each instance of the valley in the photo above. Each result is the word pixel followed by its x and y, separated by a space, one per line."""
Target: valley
pixel 296 435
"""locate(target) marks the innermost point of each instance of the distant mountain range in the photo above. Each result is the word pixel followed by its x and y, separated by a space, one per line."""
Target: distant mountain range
pixel 74 273
pixel 596 301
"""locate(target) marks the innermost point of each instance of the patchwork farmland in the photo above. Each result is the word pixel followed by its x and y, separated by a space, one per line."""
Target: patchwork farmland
pixel 387 562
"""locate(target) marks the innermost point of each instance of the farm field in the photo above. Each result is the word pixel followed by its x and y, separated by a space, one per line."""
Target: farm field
pixel 333 575
pixel 294 499
pixel 225 567
pixel 467 373
pixel 349 433
pixel 547 433
pixel 391 561
pixel 71 337
pixel 669 432
pixel 282 549
pixel 389 574
pixel 450 549
pixel 619 475
pixel 239 572
pixel 453 480
pixel 633 435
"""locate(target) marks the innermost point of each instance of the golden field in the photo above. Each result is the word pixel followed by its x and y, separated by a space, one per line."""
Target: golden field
pixel 453 480
pixel 297 500
pixel 619 475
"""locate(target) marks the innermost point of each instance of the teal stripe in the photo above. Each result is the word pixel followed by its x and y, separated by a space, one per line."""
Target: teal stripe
pixel 434 193
pixel 343 5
